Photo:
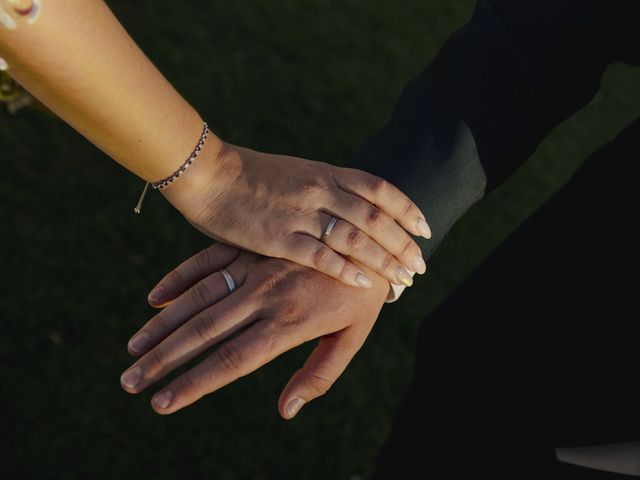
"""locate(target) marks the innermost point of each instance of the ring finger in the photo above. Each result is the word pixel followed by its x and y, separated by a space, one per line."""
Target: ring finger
pixel 203 294
pixel 381 229
pixel 349 240
pixel 206 329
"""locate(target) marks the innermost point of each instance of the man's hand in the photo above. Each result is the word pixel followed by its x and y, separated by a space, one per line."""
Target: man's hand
pixel 277 304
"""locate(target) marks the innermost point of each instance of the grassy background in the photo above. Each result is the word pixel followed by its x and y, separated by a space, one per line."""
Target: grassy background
pixel 305 77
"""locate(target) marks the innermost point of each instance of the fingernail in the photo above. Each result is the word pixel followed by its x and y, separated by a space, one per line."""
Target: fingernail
pixel 418 265
pixel 132 377
pixel 293 407
pixel 423 228
pixel 363 280
pixel 163 399
pixel 403 277
pixel 156 295
pixel 139 342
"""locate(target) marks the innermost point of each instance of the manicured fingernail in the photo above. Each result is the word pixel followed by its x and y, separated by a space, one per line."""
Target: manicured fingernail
pixel 139 342
pixel 156 295
pixel 132 377
pixel 423 228
pixel 418 265
pixel 363 280
pixel 293 407
pixel 163 399
pixel 403 277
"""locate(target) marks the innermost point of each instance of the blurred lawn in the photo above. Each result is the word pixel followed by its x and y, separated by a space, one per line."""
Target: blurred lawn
pixel 306 77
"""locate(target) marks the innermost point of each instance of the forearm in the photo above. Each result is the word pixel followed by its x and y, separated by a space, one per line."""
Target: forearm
pixel 79 61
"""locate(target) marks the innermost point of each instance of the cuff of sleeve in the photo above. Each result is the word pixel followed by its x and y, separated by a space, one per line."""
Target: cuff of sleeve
pixel 395 291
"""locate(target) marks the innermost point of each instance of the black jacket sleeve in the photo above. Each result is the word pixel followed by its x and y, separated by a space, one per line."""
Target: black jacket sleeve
pixel 498 86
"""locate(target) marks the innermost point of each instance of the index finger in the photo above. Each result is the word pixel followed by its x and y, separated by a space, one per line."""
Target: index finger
pixel 387 197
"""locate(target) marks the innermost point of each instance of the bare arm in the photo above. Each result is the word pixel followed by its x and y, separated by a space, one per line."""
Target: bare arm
pixel 80 62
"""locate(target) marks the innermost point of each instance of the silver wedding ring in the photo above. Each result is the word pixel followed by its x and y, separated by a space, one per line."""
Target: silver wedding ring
pixel 329 229
pixel 229 279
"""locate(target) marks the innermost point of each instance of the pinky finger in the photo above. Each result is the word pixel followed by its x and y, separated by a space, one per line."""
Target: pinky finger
pixel 312 253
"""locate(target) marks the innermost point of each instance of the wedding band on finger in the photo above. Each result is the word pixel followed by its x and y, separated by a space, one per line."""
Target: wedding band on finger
pixel 329 229
pixel 229 279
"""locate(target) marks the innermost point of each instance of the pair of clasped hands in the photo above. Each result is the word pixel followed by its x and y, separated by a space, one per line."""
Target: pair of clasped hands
pixel 268 214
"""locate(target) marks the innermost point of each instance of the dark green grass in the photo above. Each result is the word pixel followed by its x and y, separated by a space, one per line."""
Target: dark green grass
pixel 310 78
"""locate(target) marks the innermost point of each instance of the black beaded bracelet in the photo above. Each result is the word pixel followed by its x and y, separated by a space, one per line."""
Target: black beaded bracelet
pixel 160 184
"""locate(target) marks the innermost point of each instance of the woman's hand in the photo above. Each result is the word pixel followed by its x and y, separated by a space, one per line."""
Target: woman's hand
pixel 280 206
pixel 278 305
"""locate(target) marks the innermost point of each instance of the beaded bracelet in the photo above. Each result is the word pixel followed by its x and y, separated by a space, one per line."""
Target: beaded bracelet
pixel 160 184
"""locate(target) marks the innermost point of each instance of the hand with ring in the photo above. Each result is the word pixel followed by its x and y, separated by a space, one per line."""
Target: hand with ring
pixel 269 306
pixel 312 213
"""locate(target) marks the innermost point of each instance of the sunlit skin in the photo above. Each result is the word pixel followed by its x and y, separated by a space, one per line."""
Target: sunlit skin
pixel 21 7
pixel 279 304
pixel 78 60
pixel 14 13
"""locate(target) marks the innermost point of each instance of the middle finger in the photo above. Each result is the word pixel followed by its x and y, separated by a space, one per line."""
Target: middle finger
pixel 349 240
pixel 206 329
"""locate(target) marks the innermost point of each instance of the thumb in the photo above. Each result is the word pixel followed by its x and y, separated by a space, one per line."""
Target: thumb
pixel 323 367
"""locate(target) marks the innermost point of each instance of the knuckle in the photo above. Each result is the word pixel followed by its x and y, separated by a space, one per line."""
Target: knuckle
pixel 200 295
pixel 174 277
pixel 190 382
pixel 298 209
pixel 203 258
pixel 322 256
pixel 375 219
pixel 356 239
pixel 230 357
pixel 269 286
pixel 315 187
pixel 267 346
pixel 345 271
pixel 407 207
pixel 408 247
pixel 318 385
pixel 378 185
pixel 204 328
pixel 156 359
pixel 291 323
pixel 160 322
pixel 288 308
pixel 349 172
pixel 387 262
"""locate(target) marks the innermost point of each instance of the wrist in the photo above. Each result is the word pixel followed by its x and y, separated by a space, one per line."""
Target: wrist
pixel 209 172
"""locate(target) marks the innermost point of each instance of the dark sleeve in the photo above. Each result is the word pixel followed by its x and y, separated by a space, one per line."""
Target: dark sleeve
pixel 498 86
